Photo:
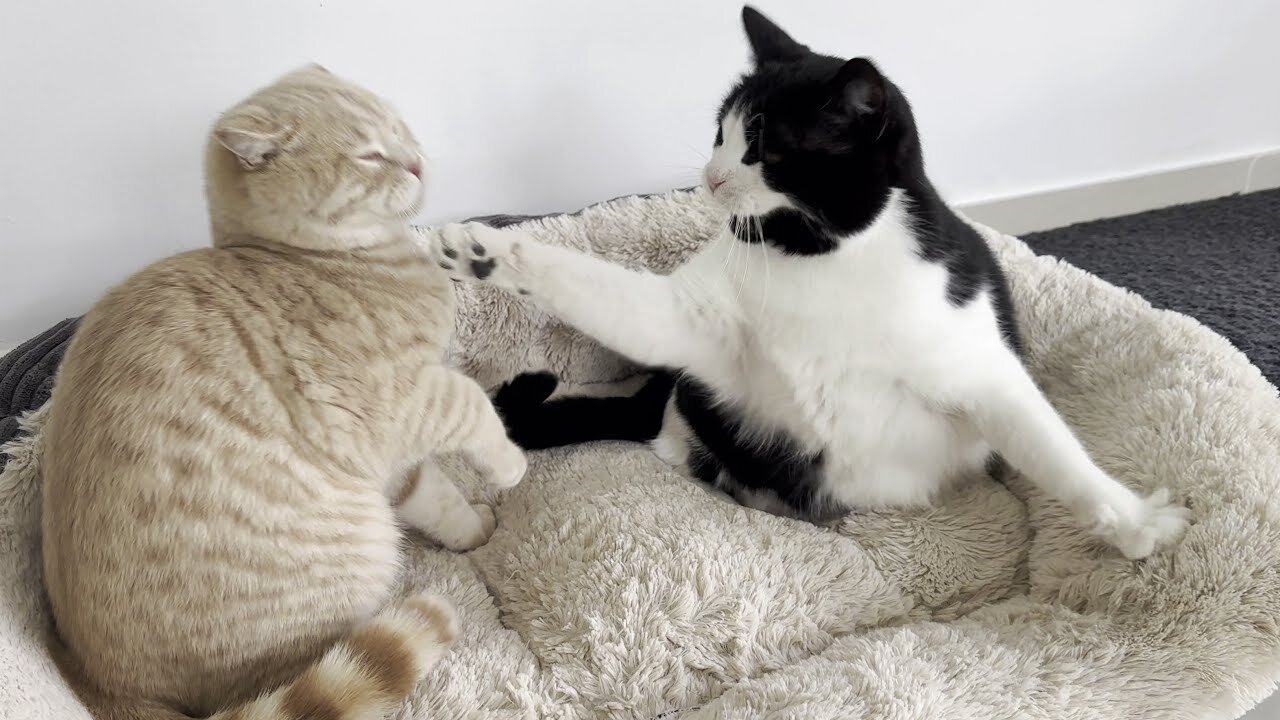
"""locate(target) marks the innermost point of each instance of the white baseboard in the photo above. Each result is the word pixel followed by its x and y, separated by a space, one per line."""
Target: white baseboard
pixel 1121 196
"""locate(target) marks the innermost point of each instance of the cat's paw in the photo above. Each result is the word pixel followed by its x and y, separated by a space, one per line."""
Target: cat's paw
pixel 475 251
pixel 670 449
pixel 470 530
pixel 507 466
pixel 1138 527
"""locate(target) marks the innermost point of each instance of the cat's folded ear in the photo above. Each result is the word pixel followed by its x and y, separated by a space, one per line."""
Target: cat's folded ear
pixel 769 43
pixel 306 72
pixel 250 137
pixel 861 86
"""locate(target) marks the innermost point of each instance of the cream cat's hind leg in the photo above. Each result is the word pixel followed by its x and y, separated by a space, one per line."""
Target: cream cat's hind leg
pixel 433 505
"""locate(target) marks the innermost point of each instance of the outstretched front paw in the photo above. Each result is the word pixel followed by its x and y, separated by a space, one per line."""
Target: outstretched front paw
pixel 475 251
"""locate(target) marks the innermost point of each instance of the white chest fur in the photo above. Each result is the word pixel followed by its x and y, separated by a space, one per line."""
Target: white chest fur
pixel 827 349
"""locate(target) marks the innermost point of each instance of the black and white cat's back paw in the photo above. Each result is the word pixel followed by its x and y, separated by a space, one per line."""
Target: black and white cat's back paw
pixel 1139 525
pixel 474 251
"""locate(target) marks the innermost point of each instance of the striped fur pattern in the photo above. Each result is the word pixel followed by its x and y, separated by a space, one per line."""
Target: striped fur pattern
pixel 366 674
pixel 238 434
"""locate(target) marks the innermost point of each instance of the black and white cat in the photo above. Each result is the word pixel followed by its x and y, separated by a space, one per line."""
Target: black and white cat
pixel 847 343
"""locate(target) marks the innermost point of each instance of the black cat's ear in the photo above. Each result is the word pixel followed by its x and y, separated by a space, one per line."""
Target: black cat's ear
pixel 861 86
pixel 769 43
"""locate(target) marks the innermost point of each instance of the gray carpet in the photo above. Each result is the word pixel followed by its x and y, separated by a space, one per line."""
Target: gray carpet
pixel 26 376
pixel 1217 261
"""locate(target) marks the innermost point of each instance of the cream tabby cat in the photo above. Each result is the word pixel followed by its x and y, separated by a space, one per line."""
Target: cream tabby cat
pixel 229 425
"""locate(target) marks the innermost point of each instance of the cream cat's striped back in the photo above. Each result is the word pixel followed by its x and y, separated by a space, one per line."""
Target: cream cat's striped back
pixel 229 425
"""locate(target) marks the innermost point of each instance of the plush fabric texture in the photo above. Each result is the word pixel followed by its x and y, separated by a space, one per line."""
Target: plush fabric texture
pixel 614 588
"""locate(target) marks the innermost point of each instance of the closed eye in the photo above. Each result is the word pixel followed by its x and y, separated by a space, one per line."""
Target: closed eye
pixel 373 157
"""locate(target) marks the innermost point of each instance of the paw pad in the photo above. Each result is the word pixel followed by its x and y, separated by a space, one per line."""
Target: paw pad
pixel 472 251
pixel 482 268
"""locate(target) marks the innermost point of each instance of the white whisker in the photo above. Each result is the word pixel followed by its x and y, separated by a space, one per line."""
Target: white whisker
pixel 700 153
pixel 730 236
pixel 720 237
pixel 741 278
pixel 764 251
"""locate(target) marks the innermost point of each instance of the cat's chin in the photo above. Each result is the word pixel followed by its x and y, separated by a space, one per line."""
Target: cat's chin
pixel 734 208
pixel 349 235
pixel 408 214
pixel 417 202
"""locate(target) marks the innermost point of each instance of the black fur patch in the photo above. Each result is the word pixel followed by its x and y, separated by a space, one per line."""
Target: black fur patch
pixel 775 464
pixel 789 231
pixel 971 266
pixel 534 423
pixel 703 465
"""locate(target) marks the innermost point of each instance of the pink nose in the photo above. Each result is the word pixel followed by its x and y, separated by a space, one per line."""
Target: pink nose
pixel 415 168
pixel 714 182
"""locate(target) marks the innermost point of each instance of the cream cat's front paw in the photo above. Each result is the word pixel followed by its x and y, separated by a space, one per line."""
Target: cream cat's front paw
pixel 506 467
pixel 475 251
pixel 466 528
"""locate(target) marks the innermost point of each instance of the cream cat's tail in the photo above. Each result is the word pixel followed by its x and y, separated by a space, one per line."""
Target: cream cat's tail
pixel 365 676
pixel 369 673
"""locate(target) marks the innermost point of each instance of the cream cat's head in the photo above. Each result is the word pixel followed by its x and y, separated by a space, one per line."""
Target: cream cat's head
pixel 314 161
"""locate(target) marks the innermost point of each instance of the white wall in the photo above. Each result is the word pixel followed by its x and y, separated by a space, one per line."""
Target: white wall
pixel 530 106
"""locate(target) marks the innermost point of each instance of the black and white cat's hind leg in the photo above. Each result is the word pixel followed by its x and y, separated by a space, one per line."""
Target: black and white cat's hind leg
pixel 1007 407
pixel 536 421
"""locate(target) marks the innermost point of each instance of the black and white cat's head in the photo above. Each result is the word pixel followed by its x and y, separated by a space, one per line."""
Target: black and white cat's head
pixel 811 134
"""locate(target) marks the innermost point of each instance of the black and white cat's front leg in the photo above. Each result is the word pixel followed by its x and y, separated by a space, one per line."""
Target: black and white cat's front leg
pixel 648 318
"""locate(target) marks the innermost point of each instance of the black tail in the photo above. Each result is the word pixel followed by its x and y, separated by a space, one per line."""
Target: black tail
pixel 534 422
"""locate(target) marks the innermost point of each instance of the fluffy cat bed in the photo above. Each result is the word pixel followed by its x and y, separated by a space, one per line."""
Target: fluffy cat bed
pixel 616 588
